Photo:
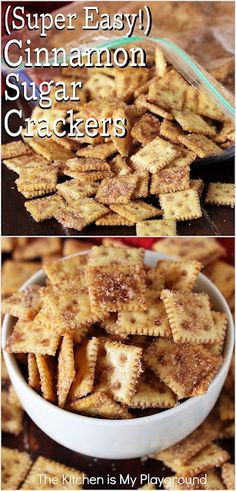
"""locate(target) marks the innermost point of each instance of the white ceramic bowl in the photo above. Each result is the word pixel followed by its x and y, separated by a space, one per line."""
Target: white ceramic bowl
pixel 121 439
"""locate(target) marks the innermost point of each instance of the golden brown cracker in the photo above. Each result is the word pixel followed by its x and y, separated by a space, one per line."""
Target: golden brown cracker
pixel 85 364
pixel 203 249
pixel 170 180
pixel 12 416
pixel 15 466
pixel 181 205
pixel 23 304
pixel 155 155
pixel 220 194
pixel 189 365
pixel 47 377
pixel 100 405
pixel 43 208
pixel 50 469
pixel 66 368
pixel 156 228
pixel 118 369
pixel 189 316
pixel 117 189
pixel 15 273
pixel 200 145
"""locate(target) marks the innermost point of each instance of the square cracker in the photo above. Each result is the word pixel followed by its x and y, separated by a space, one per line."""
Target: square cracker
pixel 113 219
pixel 193 123
pixel 183 367
pixel 136 210
pixel 15 466
pixel 38 247
pixel 181 205
pixel 51 469
pixel 12 416
pixel 101 151
pixel 31 180
pixel 69 305
pixel 100 405
pixel 84 164
pixel 46 370
pixel 31 159
pixel 209 457
pixel 222 275
pixel 75 189
pixel 190 317
pixel 72 246
pixel 118 369
pixel 155 155
pixel 88 176
pixel 34 336
pixel 207 107
pixel 188 447
pixel 14 149
pixel 49 149
pixel 203 249
pixel 220 194
pixel 24 304
pixel 141 189
pixel 152 393
pixel 15 273
pixel 64 269
pixel 116 279
pixel 143 103
pixel 83 212
pixel 66 368
pixel 146 129
pixel 169 91
pixel 43 208
pixel 33 373
pixel 156 228
pixel 170 130
pixel 170 180
pixel 200 145
pixel 85 364
pixel 228 475
pixel 152 322
pixel 117 189
pixel 179 275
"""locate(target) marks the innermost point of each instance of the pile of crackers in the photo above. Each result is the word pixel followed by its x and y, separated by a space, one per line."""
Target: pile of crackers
pixel 211 255
pixel 169 124
pixel 200 453
pixel 17 465
pixel 107 334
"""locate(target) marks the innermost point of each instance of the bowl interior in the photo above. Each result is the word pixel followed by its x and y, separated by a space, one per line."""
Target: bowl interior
pixel 202 284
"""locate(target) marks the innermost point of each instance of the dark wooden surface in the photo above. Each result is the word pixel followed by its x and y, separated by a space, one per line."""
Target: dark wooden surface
pixel 216 220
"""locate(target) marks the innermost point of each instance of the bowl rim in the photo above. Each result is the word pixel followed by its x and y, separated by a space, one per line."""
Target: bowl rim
pixel 156 417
